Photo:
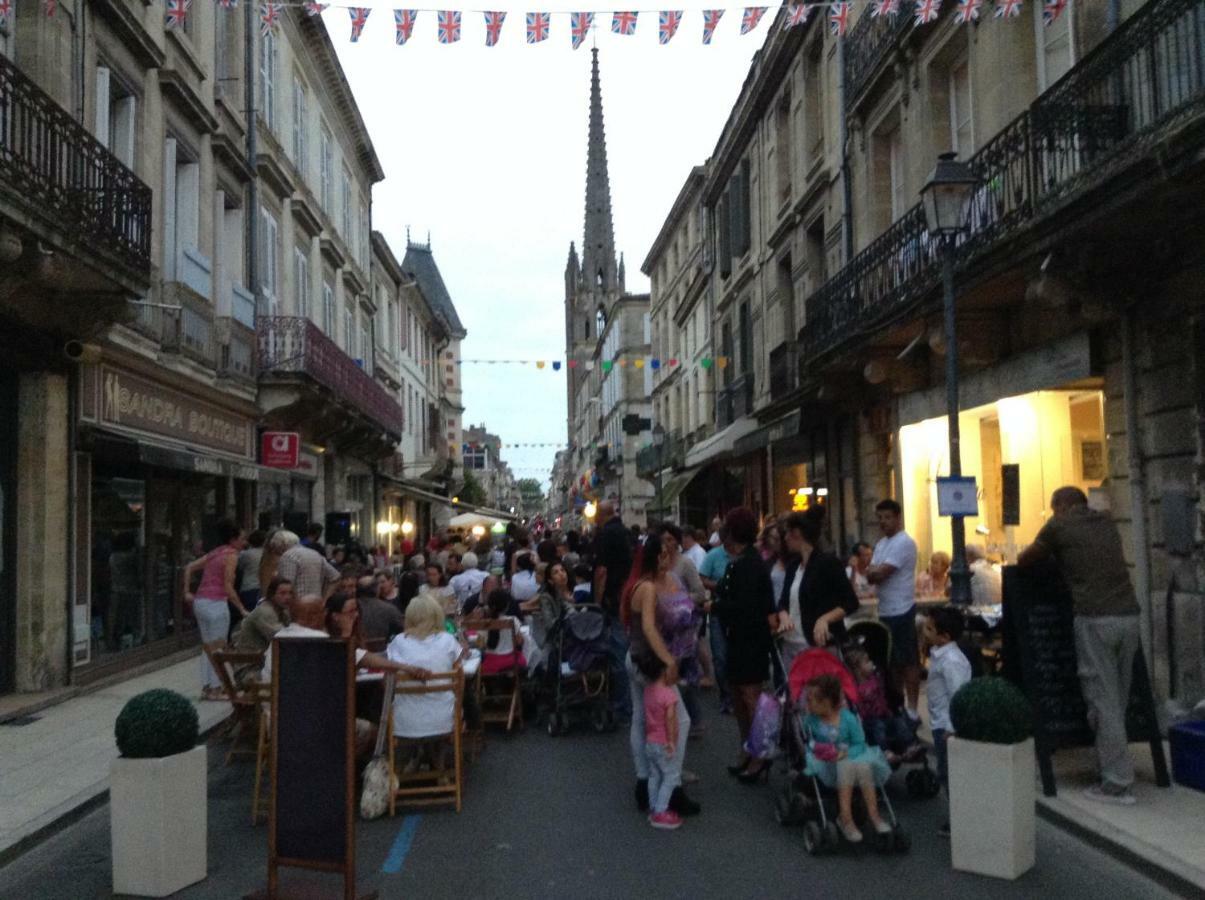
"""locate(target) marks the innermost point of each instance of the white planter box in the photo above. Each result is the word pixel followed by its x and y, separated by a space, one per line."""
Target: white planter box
pixel 992 797
pixel 159 822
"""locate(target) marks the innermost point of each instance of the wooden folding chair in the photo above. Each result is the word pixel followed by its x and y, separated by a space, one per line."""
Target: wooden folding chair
pixel 503 706
pixel 260 799
pixel 424 788
pixel 244 702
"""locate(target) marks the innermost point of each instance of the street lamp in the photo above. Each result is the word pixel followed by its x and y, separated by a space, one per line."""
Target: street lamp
pixel 945 198
pixel 659 443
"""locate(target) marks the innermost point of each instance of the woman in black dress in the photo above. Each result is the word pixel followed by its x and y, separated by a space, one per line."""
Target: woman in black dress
pixel 747 609
pixel 816 595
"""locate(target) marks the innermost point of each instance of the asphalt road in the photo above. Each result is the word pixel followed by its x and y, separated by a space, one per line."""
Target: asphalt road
pixel 554 818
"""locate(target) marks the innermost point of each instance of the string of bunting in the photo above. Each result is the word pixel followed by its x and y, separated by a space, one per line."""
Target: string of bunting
pixel 538 25
pixel 606 365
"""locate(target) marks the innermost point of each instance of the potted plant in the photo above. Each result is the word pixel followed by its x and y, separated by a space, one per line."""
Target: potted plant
pixel 992 792
pixel 157 797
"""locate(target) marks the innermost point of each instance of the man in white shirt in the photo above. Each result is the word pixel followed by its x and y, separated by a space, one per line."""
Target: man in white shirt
pixel 468 582
pixel 893 573
pixel 987 587
pixel 691 548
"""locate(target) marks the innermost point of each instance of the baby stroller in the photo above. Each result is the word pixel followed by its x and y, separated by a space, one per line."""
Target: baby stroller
pixel 577 674
pixel 922 782
pixel 805 800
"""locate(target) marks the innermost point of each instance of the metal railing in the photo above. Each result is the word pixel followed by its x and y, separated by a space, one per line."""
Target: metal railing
pixel 784 370
pixel 868 45
pixel 293 345
pixel 734 401
pixel 188 325
pixel 1120 99
pixel 66 177
pixel 236 349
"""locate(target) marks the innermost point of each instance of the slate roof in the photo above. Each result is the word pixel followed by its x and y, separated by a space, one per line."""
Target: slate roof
pixel 419 264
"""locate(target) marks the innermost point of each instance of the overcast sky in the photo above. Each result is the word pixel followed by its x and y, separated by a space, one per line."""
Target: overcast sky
pixel 485 148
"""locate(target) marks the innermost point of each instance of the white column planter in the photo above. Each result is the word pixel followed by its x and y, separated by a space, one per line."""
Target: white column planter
pixel 159 822
pixel 992 807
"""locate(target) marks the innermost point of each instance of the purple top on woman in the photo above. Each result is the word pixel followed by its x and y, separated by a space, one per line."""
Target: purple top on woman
pixel 678 624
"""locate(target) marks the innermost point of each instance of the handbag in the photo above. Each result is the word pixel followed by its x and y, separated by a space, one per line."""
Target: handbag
pixel 762 742
pixel 374 799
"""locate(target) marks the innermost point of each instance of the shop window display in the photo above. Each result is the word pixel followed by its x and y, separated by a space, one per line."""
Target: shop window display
pixel 1054 437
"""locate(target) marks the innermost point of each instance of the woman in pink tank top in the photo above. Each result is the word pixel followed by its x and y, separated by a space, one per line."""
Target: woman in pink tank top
pixel 216 591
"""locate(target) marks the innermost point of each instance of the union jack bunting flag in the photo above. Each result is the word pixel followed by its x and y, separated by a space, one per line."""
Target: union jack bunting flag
pixel 624 23
pixel 493 27
pixel 797 14
pixel 838 18
pixel 927 11
pixel 50 6
pixel 1008 9
pixel 228 4
pixel 711 18
pixel 269 16
pixel 579 26
pixel 177 13
pixel 1051 10
pixel 967 11
pixel 751 17
pixel 884 8
pixel 668 21
pixel 315 9
pixel 359 18
pixel 449 26
pixel 538 24
pixel 403 24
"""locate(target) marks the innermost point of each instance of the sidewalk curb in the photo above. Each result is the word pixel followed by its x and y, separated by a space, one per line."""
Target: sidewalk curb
pixel 82 808
pixel 1163 874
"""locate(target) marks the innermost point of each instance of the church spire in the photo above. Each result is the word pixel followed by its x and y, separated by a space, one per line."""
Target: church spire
pixel 598 248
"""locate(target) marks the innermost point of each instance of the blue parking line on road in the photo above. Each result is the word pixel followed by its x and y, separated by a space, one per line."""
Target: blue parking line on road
pixel 401 845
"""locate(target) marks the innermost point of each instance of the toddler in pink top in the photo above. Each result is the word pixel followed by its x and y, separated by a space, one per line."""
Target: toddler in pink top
pixel 660 744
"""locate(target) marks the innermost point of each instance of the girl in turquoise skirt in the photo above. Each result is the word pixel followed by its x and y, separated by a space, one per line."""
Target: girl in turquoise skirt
pixel 839 756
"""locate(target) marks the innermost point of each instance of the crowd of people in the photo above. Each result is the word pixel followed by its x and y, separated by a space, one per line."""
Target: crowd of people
pixel 686 611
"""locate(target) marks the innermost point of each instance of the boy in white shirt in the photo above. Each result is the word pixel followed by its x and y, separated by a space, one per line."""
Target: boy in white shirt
pixel 948 671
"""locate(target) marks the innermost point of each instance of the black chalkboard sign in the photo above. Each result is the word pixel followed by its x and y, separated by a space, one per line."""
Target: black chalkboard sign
pixel 1010 494
pixel 1039 656
pixel 313 760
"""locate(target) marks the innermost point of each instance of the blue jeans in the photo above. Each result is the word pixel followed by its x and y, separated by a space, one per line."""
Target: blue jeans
pixel 665 774
pixel 719 657
pixel 621 701
pixel 636 684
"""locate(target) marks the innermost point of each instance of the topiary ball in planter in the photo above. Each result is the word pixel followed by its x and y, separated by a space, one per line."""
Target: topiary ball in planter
pixel 991 710
pixel 155 724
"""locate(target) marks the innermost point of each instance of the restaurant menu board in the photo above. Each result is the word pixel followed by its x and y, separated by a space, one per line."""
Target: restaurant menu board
pixel 1039 656
pixel 313 757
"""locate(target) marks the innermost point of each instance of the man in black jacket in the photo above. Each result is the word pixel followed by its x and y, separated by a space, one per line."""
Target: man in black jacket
pixel 612 564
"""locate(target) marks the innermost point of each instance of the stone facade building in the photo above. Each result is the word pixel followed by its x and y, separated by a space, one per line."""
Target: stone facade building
pixel 606 343
pixel 166 297
pixel 1078 284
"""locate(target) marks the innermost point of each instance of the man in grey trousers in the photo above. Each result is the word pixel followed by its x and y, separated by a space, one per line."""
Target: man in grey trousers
pixel 1086 546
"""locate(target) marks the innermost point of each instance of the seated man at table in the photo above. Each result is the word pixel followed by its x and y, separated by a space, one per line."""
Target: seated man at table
pixel 379 620
pixel 987 587
pixel 467 582
pixel 256 631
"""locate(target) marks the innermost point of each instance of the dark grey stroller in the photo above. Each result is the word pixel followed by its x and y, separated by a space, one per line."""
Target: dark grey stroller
pixel 577 676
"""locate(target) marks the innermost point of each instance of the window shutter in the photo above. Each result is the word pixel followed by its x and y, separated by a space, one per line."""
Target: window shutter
pixel 724 227
pixel 102 105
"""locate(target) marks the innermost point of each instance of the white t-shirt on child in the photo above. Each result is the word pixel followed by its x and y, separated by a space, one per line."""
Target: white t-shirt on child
pixel 424 715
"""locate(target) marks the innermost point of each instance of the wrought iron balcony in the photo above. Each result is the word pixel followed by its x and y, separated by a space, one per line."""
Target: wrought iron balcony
pixel 1148 76
pixel 784 370
pixel 291 345
pixel 868 46
pixel 671 454
pixel 188 324
pixel 64 177
pixel 734 401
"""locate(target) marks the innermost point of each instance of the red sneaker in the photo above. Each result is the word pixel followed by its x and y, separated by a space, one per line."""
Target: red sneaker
pixel 667 821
